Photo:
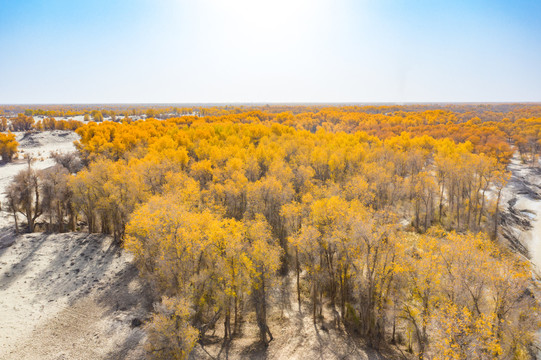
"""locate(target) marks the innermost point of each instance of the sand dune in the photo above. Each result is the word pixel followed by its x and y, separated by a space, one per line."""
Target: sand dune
pixel 64 296
pixel 70 296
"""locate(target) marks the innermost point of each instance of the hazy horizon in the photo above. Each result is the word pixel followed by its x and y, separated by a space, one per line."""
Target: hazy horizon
pixel 248 104
pixel 269 52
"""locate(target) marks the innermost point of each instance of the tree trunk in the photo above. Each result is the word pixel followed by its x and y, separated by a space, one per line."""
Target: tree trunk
pixel 261 312
pixel 297 265
pixel 497 214
pixel 227 321
pixel 16 222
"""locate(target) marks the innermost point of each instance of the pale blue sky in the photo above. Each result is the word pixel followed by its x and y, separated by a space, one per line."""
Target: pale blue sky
pixel 104 51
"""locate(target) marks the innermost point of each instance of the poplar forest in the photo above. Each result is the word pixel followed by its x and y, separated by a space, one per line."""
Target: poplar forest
pixel 381 221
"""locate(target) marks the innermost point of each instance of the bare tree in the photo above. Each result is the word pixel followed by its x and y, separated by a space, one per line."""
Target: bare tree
pixel 68 160
pixel 23 196
pixel 56 196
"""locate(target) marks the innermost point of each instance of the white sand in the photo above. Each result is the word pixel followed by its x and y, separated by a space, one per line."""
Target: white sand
pixel 69 296
pixel 524 187
pixel 64 296
pixel 532 237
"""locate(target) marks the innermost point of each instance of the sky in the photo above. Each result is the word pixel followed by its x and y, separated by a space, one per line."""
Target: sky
pixel 269 51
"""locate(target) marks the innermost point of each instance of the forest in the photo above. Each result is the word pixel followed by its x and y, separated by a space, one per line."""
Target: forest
pixel 383 220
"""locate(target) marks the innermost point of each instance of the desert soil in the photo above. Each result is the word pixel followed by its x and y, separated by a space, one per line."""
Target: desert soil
pixel 521 200
pixel 69 296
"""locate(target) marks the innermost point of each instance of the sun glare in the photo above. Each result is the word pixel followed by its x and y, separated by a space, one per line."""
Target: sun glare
pixel 278 22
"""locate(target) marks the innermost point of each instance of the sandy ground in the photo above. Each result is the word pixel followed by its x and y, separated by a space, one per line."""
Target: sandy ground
pixel 69 296
pixel 522 217
pixel 522 203
pixel 295 336
pixel 532 237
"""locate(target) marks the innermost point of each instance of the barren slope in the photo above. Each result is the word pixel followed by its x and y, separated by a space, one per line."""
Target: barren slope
pixel 69 296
